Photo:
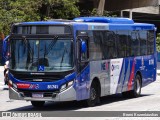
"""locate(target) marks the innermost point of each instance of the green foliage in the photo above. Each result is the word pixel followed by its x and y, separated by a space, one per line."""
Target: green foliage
pixel 13 11
pixel 158 42
pixel 59 9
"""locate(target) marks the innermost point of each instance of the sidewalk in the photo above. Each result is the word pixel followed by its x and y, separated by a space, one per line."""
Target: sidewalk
pixel 2 86
pixel 1 68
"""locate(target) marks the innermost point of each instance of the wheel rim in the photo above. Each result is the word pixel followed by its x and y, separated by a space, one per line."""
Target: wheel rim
pixel 138 86
pixel 93 94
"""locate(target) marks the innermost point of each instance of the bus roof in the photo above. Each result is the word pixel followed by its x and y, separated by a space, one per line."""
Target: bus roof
pixel 112 20
pixel 40 23
pixel 108 23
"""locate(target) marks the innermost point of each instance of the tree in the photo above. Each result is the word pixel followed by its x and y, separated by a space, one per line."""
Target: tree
pixel 13 11
pixel 58 9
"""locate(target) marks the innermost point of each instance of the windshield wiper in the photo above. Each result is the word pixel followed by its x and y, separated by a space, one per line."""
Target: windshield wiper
pixel 30 51
pixel 51 45
pixel 65 51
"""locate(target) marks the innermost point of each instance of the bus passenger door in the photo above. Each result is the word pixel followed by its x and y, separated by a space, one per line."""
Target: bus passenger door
pixel 82 68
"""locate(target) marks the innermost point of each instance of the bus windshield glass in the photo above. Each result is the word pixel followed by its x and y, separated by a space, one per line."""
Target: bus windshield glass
pixel 41 55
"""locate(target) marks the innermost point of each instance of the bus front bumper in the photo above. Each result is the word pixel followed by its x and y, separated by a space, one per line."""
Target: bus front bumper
pixel 66 95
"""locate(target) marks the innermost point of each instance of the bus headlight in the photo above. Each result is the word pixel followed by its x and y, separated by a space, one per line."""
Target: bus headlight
pixel 67 85
pixel 63 87
pixel 70 83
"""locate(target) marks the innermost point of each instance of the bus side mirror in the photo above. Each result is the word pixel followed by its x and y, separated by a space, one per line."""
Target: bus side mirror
pixel 6 54
pixel 83 46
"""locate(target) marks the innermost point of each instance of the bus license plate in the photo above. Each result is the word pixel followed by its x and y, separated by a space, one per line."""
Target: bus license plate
pixel 37 95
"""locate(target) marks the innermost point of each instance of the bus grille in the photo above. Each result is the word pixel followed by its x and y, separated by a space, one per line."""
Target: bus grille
pixel 45 94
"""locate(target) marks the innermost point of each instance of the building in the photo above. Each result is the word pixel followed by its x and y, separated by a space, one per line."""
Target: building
pixel 147 11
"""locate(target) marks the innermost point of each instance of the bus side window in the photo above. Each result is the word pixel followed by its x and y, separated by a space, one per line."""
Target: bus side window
pixel 104 42
pixel 135 45
pixel 109 40
pixel 95 46
pixel 129 47
pixel 150 43
pixel 122 44
pixel 143 42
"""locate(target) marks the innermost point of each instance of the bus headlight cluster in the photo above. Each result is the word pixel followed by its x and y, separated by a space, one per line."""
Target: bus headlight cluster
pixel 67 85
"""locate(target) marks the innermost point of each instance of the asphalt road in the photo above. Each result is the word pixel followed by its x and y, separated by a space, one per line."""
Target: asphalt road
pixel 149 101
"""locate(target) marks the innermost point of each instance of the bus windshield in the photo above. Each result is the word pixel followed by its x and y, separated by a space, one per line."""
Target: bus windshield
pixel 41 55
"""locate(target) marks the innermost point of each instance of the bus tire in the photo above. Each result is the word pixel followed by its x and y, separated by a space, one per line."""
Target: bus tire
pixel 94 96
pixel 37 104
pixel 136 92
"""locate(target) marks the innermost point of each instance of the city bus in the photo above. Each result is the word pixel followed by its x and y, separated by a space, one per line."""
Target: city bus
pixel 81 59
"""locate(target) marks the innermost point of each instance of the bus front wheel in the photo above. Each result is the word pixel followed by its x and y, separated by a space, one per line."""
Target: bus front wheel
pixel 37 103
pixel 94 97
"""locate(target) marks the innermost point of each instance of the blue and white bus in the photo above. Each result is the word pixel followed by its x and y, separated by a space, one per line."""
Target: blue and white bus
pixel 82 59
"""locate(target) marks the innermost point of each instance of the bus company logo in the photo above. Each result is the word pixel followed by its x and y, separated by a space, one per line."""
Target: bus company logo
pixel 105 66
pixel 34 86
pixel 114 67
pixel 6 114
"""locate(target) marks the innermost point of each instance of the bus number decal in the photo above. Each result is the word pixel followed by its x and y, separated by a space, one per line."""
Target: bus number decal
pixel 52 86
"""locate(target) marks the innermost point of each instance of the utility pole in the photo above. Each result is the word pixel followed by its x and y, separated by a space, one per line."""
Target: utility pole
pixel 101 7
pixel 130 13
pixel 121 13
